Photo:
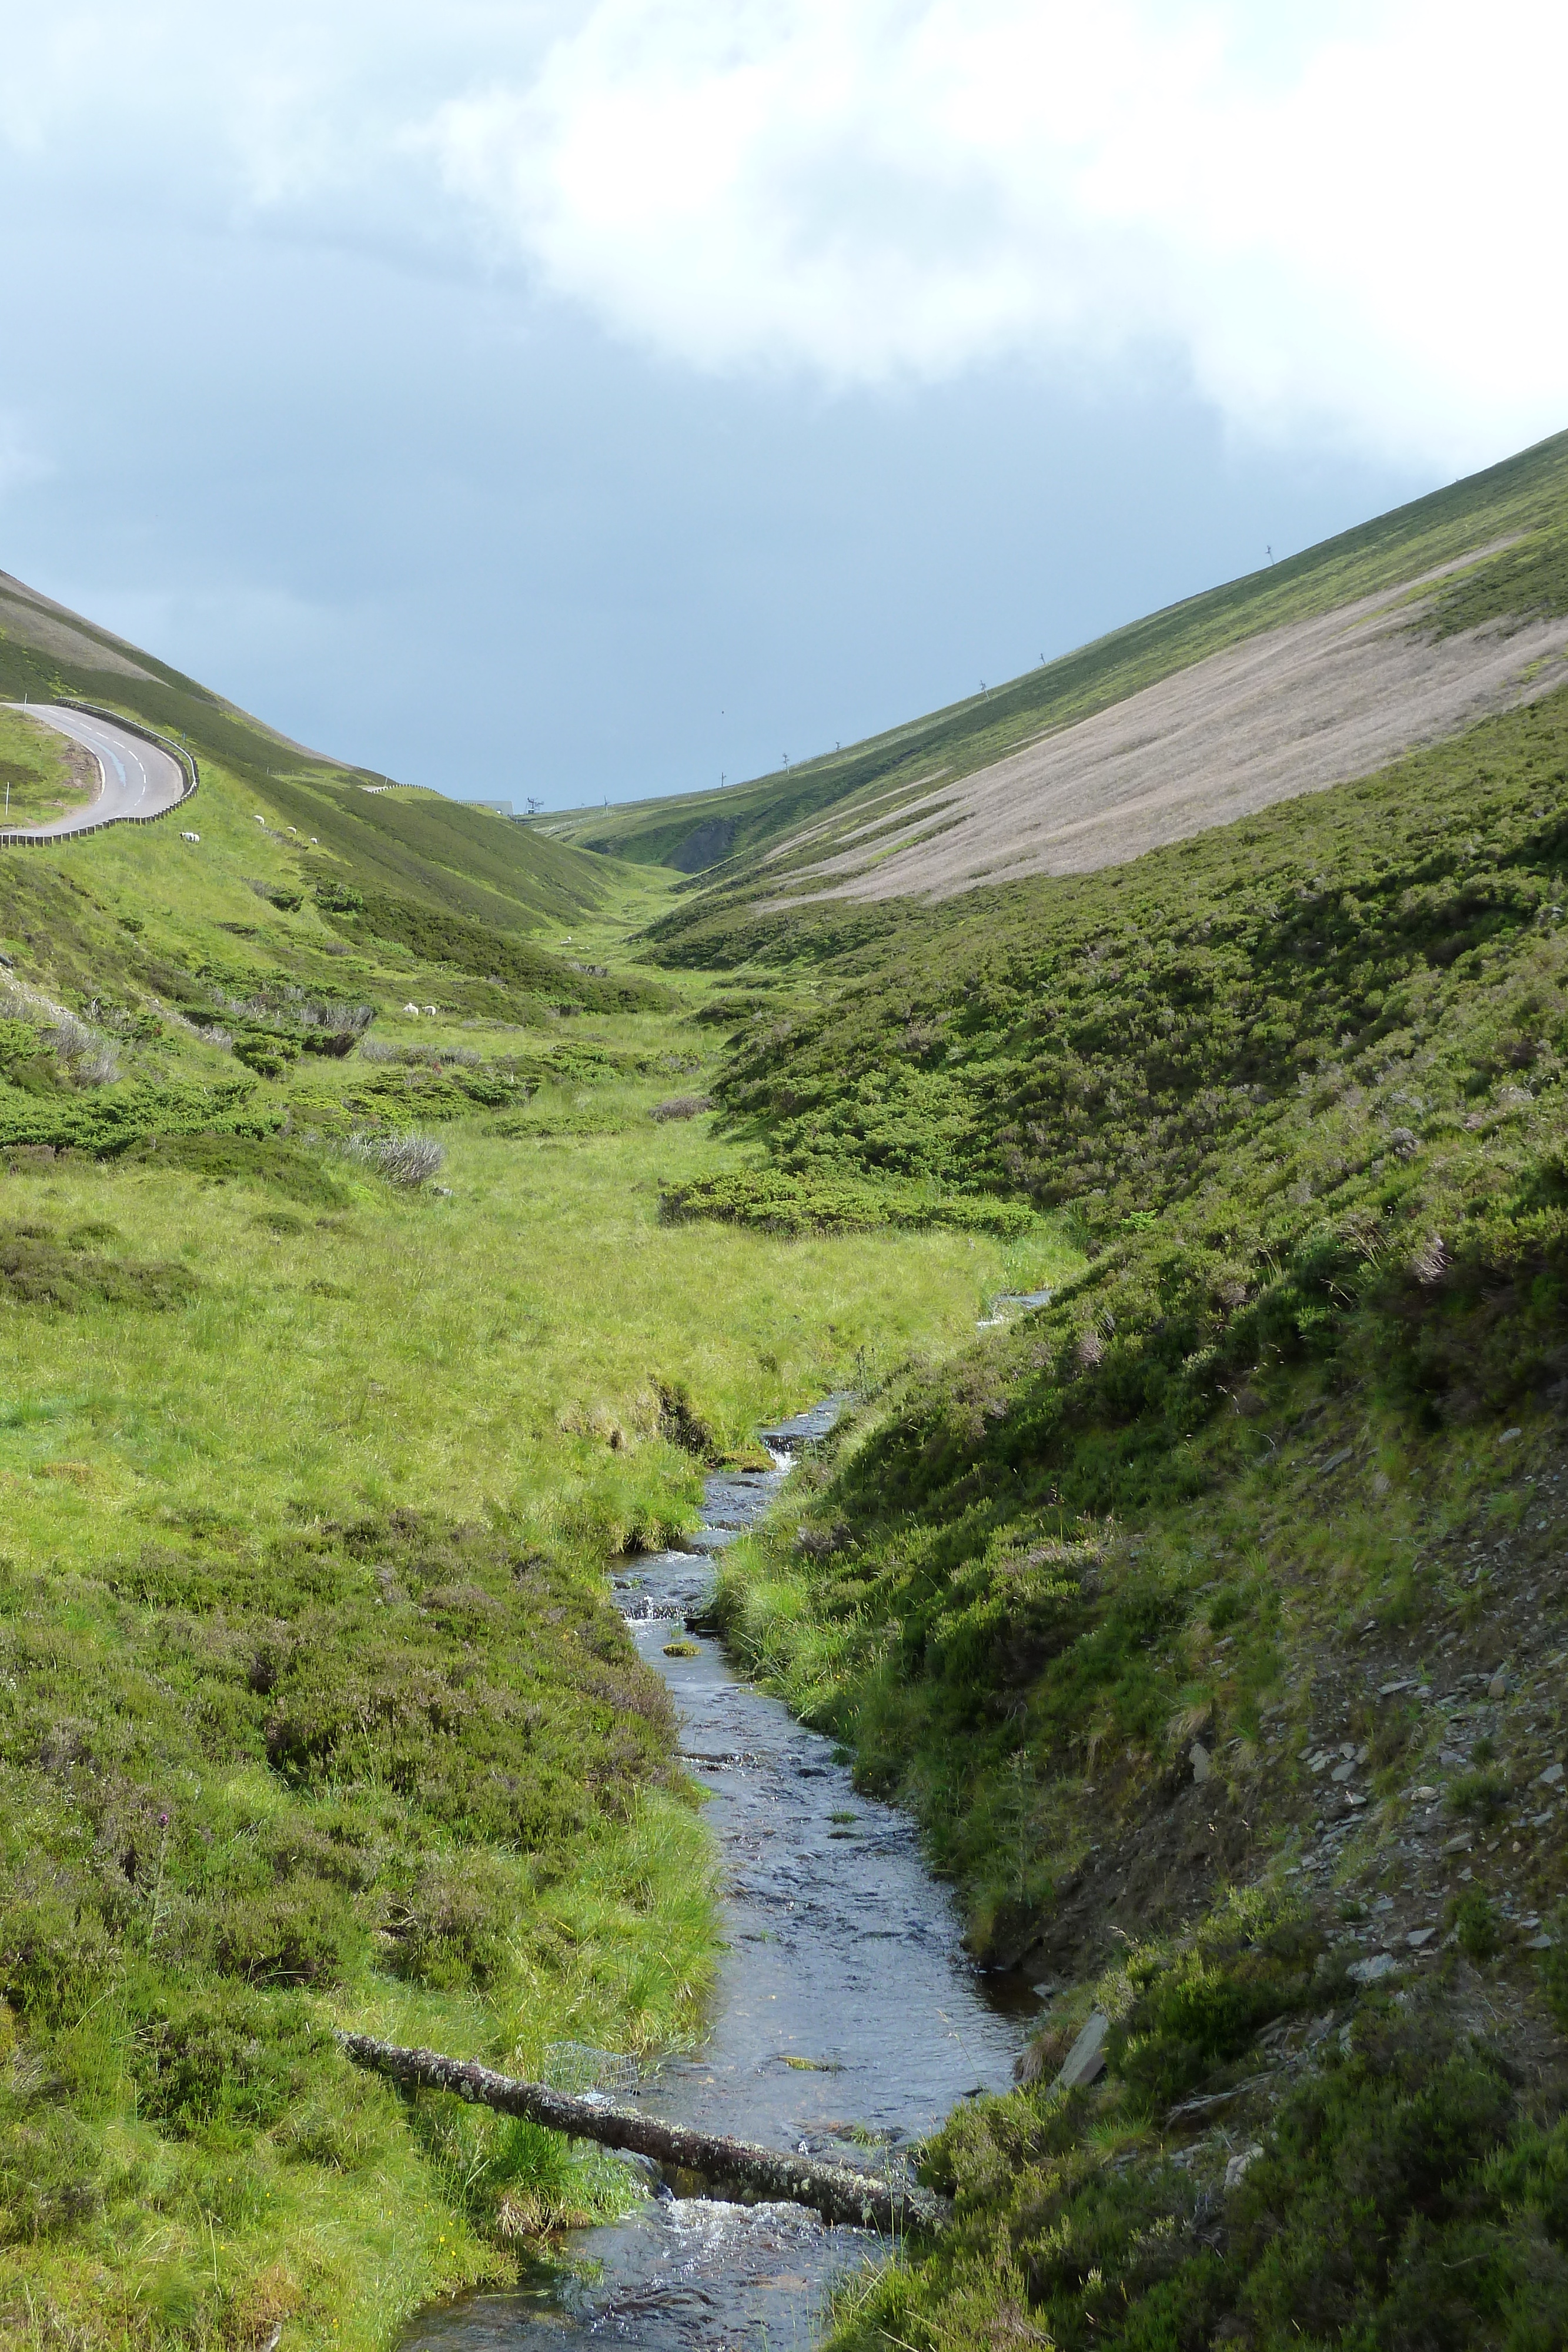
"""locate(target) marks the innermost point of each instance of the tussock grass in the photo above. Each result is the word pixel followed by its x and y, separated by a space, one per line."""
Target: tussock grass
pixel 408 1161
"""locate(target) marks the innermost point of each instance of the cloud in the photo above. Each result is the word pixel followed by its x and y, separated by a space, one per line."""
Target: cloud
pixel 1340 221
pixel 1348 222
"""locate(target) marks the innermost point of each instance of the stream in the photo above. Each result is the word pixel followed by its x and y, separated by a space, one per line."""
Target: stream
pixel 846 2018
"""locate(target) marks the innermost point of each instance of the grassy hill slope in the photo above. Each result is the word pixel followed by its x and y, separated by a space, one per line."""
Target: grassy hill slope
pixel 345 1345
pixel 403 842
pixel 1526 496
pixel 1209 1616
pixel 1212 1617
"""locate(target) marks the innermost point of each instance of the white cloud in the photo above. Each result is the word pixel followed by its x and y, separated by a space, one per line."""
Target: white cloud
pixel 1351 224
pixel 1343 219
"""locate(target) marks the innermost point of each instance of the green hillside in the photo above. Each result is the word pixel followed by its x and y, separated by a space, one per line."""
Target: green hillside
pixel 345 1343
pixel 1274 1486
pixel 403 843
pixel 1526 496
pixel 399 1210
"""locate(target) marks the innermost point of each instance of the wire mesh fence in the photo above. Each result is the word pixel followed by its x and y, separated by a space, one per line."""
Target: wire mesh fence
pixel 578 2066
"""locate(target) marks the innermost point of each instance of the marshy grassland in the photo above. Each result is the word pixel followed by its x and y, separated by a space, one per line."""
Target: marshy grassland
pixel 314 1712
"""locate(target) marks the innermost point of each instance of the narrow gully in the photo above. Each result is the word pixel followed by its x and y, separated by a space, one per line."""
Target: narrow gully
pixel 846 2017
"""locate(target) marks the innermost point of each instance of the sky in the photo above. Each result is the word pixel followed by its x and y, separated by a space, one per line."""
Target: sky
pixel 596 398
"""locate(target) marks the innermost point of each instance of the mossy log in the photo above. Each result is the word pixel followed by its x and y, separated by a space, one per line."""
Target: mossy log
pixel 737 2166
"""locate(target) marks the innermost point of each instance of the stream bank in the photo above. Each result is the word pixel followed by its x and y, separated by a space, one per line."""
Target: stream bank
pixel 847 2018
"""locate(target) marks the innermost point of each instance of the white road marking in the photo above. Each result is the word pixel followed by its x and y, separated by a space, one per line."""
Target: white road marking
pixel 159 782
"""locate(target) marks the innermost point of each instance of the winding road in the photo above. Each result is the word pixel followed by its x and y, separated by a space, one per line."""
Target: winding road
pixel 138 778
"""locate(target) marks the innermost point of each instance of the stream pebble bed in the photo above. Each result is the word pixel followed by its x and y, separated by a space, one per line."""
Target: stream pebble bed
pixel 846 2017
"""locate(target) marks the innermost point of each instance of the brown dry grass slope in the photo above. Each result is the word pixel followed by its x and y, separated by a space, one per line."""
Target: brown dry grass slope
pixel 1292 710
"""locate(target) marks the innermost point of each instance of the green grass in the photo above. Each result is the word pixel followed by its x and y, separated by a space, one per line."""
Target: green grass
pixel 312 1709
pixel 443 1350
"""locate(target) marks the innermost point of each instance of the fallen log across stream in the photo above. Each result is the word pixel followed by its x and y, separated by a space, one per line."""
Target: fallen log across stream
pixel 751 2173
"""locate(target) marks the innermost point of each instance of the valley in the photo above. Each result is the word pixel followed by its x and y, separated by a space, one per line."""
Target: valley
pixel 408 1215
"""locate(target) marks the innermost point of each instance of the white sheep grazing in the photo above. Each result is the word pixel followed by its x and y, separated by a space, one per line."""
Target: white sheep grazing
pixel 414 1009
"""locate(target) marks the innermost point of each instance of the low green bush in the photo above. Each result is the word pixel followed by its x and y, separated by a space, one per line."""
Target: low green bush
pixel 220 1159
pixel 452 1929
pixel 205 2055
pixel 1198 2007
pixel 780 1203
pixel 301 1933
pixel 37 1270
pixel 56 1954
pixel 1484 1792
pixel 268 1052
pixel 1475 1922
pixel 1404 2199
pixel 108 1120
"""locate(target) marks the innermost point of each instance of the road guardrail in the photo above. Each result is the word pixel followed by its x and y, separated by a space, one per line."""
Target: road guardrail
pixel 16 838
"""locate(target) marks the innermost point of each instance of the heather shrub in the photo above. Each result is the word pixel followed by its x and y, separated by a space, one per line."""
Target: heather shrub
pixel 301 1932
pixel 452 1929
pixel 218 2055
pixel 1198 2008
pixel 56 1955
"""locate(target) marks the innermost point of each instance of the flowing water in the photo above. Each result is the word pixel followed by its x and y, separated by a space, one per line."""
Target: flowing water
pixel 846 2019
